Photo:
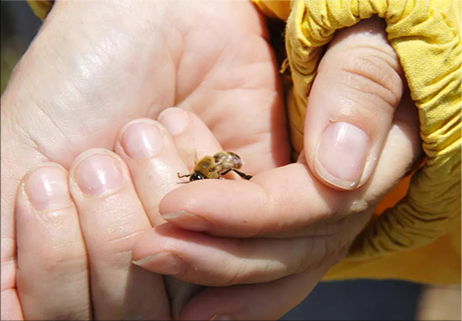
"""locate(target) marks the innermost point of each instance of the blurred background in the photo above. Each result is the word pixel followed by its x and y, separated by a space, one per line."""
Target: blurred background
pixel 346 300
pixel 19 27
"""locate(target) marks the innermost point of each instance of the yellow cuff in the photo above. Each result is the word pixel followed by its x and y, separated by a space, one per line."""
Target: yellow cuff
pixel 426 36
pixel 41 8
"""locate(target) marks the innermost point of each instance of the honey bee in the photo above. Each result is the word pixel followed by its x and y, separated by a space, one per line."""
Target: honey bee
pixel 216 166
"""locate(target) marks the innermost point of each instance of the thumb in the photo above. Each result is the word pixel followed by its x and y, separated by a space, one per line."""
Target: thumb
pixel 351 105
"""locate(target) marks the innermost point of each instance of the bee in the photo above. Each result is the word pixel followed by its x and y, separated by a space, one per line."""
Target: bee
pixel 216 166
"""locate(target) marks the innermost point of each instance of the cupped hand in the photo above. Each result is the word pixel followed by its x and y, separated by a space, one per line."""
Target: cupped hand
pixel 94 66
pixel 271 239
pixel 75 234
pixel 119 67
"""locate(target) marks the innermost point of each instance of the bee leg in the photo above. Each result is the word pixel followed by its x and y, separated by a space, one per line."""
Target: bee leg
pixel 181 176
pixel 243 175
pixel 226 172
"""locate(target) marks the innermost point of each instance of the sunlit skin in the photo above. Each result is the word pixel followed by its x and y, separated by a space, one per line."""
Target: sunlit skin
pixel 105 76
pixel 282 230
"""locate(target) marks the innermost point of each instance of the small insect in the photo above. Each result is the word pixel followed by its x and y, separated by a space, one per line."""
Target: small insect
pixel 216 166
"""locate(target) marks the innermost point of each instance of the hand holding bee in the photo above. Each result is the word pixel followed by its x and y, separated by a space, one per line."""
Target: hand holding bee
pixel 115 197
pixel 77 98
pixel 268 240
pixel 280 232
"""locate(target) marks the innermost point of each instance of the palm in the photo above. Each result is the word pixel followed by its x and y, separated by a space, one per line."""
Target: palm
pixel 236 90
pixel 214 62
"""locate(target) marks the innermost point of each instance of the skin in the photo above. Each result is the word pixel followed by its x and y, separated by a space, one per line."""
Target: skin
pixel 288 261
pixel 103 76
pixel 97 89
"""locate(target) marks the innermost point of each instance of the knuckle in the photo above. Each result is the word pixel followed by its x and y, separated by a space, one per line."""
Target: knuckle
pixel 321 252
pixel 57 261
pixel 236 274
pixel 244 272
pixel 117 249
pixel 234 269
pixel 255 266
pixel 329 227
pixel 372 72
pixel 305 260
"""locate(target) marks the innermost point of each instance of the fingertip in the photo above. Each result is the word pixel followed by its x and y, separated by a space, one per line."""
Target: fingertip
pixel 165 263
pixel 46 187
pixel 341 155
pixel 175 120
pixel 97 173
pixel 188 221
pixel 140 139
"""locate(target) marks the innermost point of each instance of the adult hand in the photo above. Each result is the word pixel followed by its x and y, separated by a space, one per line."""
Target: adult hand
pixel 284 226
pixel 75 235
pixel 100 81
pixel 94 66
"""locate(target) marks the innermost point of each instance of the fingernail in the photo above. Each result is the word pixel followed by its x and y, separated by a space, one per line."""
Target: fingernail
pixel 175 120
pixel 47 188
pixel 141 140
pixel 341 155
pixel 98 175
pixel 188 221
pixel 222 317
pixel 163 263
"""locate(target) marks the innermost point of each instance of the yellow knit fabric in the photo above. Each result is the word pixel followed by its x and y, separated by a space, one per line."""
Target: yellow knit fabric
pixel 419 238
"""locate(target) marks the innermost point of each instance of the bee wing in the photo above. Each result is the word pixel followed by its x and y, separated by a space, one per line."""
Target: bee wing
pixel 235 159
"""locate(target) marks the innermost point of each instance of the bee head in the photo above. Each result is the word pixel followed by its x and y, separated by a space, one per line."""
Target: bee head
pixel 196 176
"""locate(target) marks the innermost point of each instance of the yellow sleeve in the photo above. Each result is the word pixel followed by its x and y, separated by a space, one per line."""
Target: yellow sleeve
pixel 41 8
pixel 417 237
pixel 274 9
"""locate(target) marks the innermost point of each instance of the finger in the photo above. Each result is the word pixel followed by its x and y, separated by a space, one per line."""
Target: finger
pixel 153 160
pixel 192 137
pixel 52 279
pixel 351 105
pixel 111 217
pixel 200 258
pixel 259 207
pixel 265 301
pixel 154 164
pixel 150 154
pixel 289 201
